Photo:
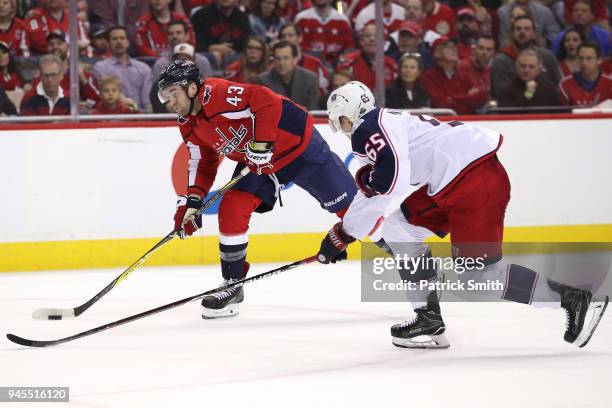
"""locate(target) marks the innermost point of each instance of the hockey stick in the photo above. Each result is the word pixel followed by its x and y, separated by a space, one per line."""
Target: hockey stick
pixel 45 343
pixel 59 314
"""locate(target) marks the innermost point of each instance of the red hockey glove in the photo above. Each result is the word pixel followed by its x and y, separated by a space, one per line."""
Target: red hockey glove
pixel 333 246
pixel 259 157
pixel 185 220
pixel 362 178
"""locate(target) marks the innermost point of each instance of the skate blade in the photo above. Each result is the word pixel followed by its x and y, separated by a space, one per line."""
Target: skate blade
pixel 597 309
pixel 227 311
pixel 422 342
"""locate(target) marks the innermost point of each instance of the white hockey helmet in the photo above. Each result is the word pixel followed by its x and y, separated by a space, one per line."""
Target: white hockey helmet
pixel 352 100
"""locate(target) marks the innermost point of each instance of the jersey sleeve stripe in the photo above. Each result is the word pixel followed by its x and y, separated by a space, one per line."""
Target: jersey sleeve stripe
pixel 195 156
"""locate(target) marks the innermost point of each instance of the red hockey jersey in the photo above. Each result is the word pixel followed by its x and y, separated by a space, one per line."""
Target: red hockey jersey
pixel 234 113
pixel 573 94
pixel 10 81
pixel 16 38
pixel 39 23
pixel 151 36
pixel 328 37
pixel 441 20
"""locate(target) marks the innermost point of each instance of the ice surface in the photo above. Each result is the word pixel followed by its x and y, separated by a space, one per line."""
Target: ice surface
pixel 303 339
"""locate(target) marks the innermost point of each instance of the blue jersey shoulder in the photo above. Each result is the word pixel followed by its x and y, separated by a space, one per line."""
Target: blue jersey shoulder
pixel 366 128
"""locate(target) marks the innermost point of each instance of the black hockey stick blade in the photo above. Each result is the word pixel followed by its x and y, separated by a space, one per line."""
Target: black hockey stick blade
pixel 45 343
pixel 61 314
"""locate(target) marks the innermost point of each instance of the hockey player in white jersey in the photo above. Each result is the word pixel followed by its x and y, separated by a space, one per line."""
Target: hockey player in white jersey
pixel 461 189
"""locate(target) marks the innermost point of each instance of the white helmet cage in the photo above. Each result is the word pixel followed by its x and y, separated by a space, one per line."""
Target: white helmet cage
pixel 352 100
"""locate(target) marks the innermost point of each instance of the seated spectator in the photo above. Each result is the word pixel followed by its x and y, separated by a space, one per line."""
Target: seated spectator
pixel 467 30
pixel 447 87
pixel 522 36
pixel 589 86
pixel 288 79
pixel 151 36
pixel 254 61
pixel 7 108
pixel 486 18
pixel 393 15
pixel 361 62
pixel 408 39
pixel 221 29
pixel 99 44
pixel 48 98
pixel 567 54
pixel 51 16
pixel 325 32
pixel 112 102
pixel 264 19
pixel 178 33
pixel 291 33
pixel 600 11
pixel 529 87
pixel 583 20
pixel 135 76
pixel 545 23
pixel 406 91
pixel 10 77
pixel 518 10
pixel 88 89
pixel 13 30
pixel 439 18
pixel 414 12
pixel 478 68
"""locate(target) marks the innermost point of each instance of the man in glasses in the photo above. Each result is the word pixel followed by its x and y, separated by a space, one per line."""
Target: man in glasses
pixel 48 97
pixel 257 128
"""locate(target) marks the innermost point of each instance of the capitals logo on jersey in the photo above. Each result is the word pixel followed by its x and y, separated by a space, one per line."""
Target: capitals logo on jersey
pixel 235 143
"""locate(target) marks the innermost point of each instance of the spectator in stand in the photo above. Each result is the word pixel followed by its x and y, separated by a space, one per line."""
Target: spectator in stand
pixel 264 19
pixel 488 23
pixel 221 29
pixel 504 64
pixel 519 10
pixel 545 23
pixel 478 67
pixel 467 31
pixel 361 62
pixel 151 36
pixel 135 76
pixel 254 60
pixel 106 13
pixel 448 87
pixel 178 33
pixel 414 12
pixel 393 15
pixel 529 87
pixel 288 79
pixel 7 108
pixel 112 102
pixel 48 98
pixel 408 39
pixel 88 89
pixel 291 33
pixel 13 30
pixel 52 16
pixel 583 21
pixel 325 32
pixel 406 91
pixel 10 77
pixel 99 44
pixel 567 55
pixel 589 86
pixel 600 10
pixel 439 18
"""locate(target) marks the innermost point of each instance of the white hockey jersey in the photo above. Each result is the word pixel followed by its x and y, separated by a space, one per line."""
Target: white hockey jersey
pixel 411 150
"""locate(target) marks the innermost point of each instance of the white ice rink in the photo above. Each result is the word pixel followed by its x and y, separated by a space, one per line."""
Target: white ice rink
pixel 303 339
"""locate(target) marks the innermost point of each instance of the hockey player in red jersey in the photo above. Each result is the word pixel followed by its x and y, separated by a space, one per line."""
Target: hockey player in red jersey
pixel 462 189
pixel 254 127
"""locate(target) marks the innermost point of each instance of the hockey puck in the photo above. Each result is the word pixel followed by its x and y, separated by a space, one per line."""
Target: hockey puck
pixel 55 317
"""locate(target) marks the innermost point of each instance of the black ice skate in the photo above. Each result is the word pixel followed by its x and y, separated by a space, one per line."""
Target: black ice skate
pixel 579 307
pixel 225 303
pixel 424 331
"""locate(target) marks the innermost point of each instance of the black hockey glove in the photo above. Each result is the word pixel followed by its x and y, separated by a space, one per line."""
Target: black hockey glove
pixel 333 246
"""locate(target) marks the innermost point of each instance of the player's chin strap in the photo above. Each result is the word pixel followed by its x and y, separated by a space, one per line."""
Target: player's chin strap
pixel 277 188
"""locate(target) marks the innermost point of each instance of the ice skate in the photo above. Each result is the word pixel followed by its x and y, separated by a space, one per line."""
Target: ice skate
pixel 225 303
pixel 579 308
pixel 424 331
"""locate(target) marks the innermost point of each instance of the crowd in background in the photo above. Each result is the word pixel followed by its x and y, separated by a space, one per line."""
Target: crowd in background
pixel 469 56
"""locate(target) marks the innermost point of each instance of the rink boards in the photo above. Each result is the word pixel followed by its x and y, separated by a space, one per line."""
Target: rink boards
pixel 87 197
